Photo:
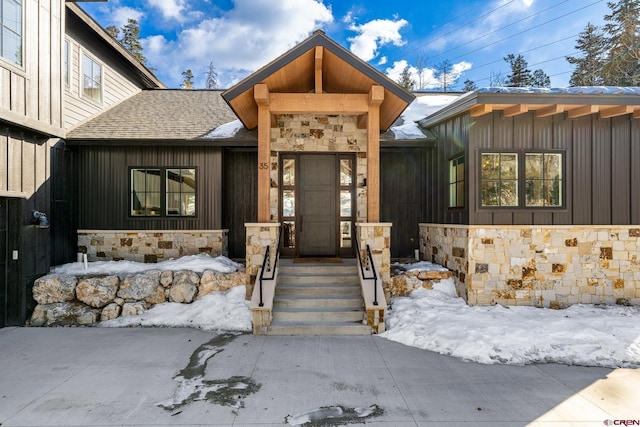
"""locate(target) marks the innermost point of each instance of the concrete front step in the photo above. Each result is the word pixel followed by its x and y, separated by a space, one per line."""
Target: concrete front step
pixel 318 289
pixel 318 328
pixel 317 301
pixel 336 314
pixel 286 279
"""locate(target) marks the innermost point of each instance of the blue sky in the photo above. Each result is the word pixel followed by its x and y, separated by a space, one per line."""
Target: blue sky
pixel 240 36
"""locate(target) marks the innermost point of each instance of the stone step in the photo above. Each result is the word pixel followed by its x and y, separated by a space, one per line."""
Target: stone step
pixel 335 314
pixel 286 279
pixel 318 328
pixel 303 269
pixel 317 301
pixel 318 289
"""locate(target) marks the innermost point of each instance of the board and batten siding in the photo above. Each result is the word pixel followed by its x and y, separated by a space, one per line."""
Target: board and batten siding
pixel 117 83
pixel 103 186
pixel 602 180
pixel 31 94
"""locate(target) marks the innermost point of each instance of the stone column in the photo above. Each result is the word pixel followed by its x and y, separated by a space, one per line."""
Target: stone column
pixel 258 237
pixel 378 236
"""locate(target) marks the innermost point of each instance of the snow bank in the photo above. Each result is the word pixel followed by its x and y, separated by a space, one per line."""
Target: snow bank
pixel 420 108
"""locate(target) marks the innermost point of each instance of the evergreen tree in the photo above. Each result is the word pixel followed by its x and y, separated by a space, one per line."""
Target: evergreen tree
pixel 623 43
pixel 588 71
pixel 469 85
pixel 131 39
pixel 187 82
pixel 520 75
pixel 113 31
pixel 540 79
pixel 443 71
pixel 212 77
pixel 405 80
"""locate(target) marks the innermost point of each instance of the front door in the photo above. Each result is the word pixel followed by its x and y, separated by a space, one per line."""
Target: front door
pixel 317 205
pixel 318 198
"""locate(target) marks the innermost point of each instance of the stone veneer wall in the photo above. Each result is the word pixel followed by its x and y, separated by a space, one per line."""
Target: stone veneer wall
pixel 319 133
pixel 259 236
pixel 150 245
pixel 544 266
pixel 378 237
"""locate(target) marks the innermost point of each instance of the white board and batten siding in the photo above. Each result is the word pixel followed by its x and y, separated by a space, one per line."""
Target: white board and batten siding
pixel 31 103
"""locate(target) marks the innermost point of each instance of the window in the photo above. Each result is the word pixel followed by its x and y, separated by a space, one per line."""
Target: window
pixel 11 30
pixel 505 176
pixel 168 191
pixel 543 177
pixel 456 182
pixel 65 62
pixel 91 79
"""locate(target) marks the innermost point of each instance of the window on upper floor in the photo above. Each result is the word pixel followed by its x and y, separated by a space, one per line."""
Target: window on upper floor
pixel 521 179
pixel 66 47
pixel 163 192
pixel 91 79
pixel 456 182
pixel 11 31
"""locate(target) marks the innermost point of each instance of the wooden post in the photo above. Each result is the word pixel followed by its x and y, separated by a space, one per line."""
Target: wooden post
pixel 376 96
pixel 261 95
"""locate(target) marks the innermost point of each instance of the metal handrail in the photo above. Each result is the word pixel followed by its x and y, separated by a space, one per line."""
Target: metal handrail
pixel 267 263
pixel 368 266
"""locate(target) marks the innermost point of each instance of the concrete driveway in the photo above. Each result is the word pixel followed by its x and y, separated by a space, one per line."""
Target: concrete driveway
pixel 187 377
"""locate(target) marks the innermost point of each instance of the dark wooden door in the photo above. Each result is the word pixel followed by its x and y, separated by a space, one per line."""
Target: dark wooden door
pixel 240 197
pixel 400 198
pixel 317 215
pixel 3 262
pixel 12 299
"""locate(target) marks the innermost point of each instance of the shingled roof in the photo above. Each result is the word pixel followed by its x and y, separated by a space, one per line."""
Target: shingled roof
pixel 162 115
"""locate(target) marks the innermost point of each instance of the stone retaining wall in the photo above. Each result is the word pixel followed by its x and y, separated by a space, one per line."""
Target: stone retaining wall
pixel 544 266
pixel 150 245
pixel 65 300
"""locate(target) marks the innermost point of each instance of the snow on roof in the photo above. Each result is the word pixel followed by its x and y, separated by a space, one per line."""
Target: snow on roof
pixel 578 90
pixel 424 104
pixel 226 130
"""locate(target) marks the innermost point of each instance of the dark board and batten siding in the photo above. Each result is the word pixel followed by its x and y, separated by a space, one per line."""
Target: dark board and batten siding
pixel 602 177
pixel 239 195
pixel 103 186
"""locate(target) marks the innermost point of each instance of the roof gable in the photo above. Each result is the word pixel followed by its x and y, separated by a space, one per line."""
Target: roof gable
pixel 294 72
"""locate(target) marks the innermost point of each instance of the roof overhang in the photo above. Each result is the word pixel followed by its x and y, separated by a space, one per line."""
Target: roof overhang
pixel 317 66
pixel 575 102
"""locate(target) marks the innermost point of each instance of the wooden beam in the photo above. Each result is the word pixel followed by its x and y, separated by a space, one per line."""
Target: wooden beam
pixel 481 110
pixel 550 110
pixel 619 110
pixel 319 103
pixel 515 110
pixel 261 95
pixel 582 111
pixel 376 96
pixel 636 113
pixel 318 68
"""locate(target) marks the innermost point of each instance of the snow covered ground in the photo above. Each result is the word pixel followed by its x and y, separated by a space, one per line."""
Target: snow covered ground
pixel 435 320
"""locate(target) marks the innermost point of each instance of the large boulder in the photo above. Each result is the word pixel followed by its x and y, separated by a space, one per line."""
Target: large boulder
pixel 402 285
pixel 184 287
pixel 110 312
pixel 166 278
pixel 212 281
pixel 142 287
pixel 64 314
pixel 97 291
pixel 133 308
pixel 54 288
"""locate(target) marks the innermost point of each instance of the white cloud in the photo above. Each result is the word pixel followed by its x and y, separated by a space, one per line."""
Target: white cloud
pixel 383 60
pixel 171 9
pixel 121 15
pixel 238 41
pixel 374 34
pixel 430 76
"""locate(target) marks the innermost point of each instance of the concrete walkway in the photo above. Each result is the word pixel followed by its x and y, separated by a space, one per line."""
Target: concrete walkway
pixel 184 377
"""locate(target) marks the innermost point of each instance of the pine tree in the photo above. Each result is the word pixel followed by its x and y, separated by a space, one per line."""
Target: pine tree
pixel 623 43
pixel 588 71
pixel 520 75
pixel 187 82
pixel 212 77
pixel 443 71
pixel 113 31
pixel 540 79
pixel 405 79
pixel 131 39
pixel 469 85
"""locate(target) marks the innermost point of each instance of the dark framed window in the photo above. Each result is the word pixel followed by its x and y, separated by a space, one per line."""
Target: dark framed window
pixel 456 182
pixel 156 192
pixel 11 31
pixel 522 179
pixel 91 79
